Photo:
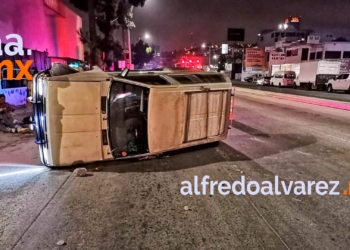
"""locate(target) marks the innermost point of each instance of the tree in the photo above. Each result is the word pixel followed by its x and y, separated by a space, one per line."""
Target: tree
pixel 83 5
pixel 109 15
pixel 142 53
pixel 89 6
pixel 92 44
pixel 137 3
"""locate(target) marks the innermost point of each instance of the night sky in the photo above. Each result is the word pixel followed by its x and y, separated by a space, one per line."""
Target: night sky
pixel 170 22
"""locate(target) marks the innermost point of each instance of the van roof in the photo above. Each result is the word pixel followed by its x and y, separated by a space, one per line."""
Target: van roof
pixel 287 71
pixel 149 78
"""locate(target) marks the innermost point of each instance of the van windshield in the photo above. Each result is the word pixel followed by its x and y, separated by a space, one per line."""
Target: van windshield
pixel 292 76
pixel 128 119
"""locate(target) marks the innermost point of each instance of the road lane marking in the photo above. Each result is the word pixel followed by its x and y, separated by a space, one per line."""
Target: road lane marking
pixel 40 212
pixel 252 203
pixel 262 216
pixel 29 171
pixel 300 152
pixel 302 99
pixel 256 139
pixel 333 137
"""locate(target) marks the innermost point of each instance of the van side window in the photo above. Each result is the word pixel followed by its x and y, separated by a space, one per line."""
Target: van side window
pixel 339 77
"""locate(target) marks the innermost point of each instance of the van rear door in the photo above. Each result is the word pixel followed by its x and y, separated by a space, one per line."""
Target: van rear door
pixel 207 114
pixel 208 110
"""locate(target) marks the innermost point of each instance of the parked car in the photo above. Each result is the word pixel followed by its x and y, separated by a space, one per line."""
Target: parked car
pixel 283 78
pixel 263 81
pixel 252 78
pixel 340 83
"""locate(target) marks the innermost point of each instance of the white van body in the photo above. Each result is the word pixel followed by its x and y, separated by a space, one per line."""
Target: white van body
pixel 283 79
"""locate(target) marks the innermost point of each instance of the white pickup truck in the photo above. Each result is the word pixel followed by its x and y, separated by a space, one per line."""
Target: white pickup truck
pixel 340 83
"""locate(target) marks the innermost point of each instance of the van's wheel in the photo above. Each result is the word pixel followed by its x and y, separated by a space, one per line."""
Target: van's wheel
pixel 279 85
pixel 309 87
pixel 330 88
pixel 294 85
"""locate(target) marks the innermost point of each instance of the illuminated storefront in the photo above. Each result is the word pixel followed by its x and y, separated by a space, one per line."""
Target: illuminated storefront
pixel 294 21
pixel 47 27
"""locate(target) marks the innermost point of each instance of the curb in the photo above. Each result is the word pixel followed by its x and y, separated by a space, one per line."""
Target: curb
pixel 309 100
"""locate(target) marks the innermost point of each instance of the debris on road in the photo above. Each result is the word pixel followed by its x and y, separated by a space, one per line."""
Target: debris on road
pixel 61 243
pixel 296 200
pixel 162 156
pixel 186 208
pixel 81 172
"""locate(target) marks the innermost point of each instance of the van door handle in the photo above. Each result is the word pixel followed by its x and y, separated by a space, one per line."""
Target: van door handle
pixel 105 118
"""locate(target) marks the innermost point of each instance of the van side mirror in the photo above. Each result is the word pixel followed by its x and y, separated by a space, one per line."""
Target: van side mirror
pixel 124 73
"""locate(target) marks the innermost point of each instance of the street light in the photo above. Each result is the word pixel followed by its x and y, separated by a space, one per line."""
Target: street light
pixel 209 52
pixel 146 36
pixel 215 57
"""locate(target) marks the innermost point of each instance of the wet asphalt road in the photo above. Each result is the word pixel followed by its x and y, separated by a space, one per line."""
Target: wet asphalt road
pixel 337 96
pixel 138 205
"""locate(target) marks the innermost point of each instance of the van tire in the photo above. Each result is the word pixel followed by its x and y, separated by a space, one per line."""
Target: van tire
pixel 294 85
pixel 310 86
pixel 330 88
pixel 279 85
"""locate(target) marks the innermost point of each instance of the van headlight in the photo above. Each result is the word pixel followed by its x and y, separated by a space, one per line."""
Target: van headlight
pixel 40 87
pixel 45 154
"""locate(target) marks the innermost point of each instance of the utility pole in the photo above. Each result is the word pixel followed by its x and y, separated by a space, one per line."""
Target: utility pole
pixel 129 47
pixel 191 39
pixel 92 31
pixel 123 38
pixel 209 59
pixel 233 75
